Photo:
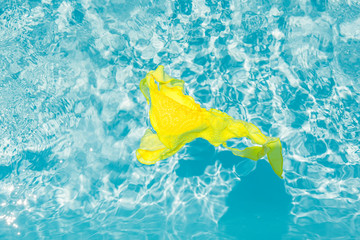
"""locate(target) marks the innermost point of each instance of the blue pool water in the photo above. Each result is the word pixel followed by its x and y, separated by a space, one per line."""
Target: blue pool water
pixel 72 116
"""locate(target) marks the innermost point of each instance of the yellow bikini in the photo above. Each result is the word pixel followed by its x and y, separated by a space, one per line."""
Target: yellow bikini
pixel 178 119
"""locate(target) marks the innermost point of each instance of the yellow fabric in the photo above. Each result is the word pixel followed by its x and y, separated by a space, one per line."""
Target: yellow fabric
pixel 178 119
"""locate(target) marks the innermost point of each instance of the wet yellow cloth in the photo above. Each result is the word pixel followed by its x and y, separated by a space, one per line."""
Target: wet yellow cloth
pixel 178 119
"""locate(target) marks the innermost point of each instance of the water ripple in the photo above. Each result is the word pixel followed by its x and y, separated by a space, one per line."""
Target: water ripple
pixel 71 116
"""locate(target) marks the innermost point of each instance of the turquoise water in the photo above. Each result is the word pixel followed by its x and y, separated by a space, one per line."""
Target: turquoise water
pixel 72 115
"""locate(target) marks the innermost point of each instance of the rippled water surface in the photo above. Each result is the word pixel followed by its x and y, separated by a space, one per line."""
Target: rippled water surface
pixel 72 115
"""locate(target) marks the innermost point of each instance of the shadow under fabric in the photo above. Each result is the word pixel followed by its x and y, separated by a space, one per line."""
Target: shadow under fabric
pixel 178 120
